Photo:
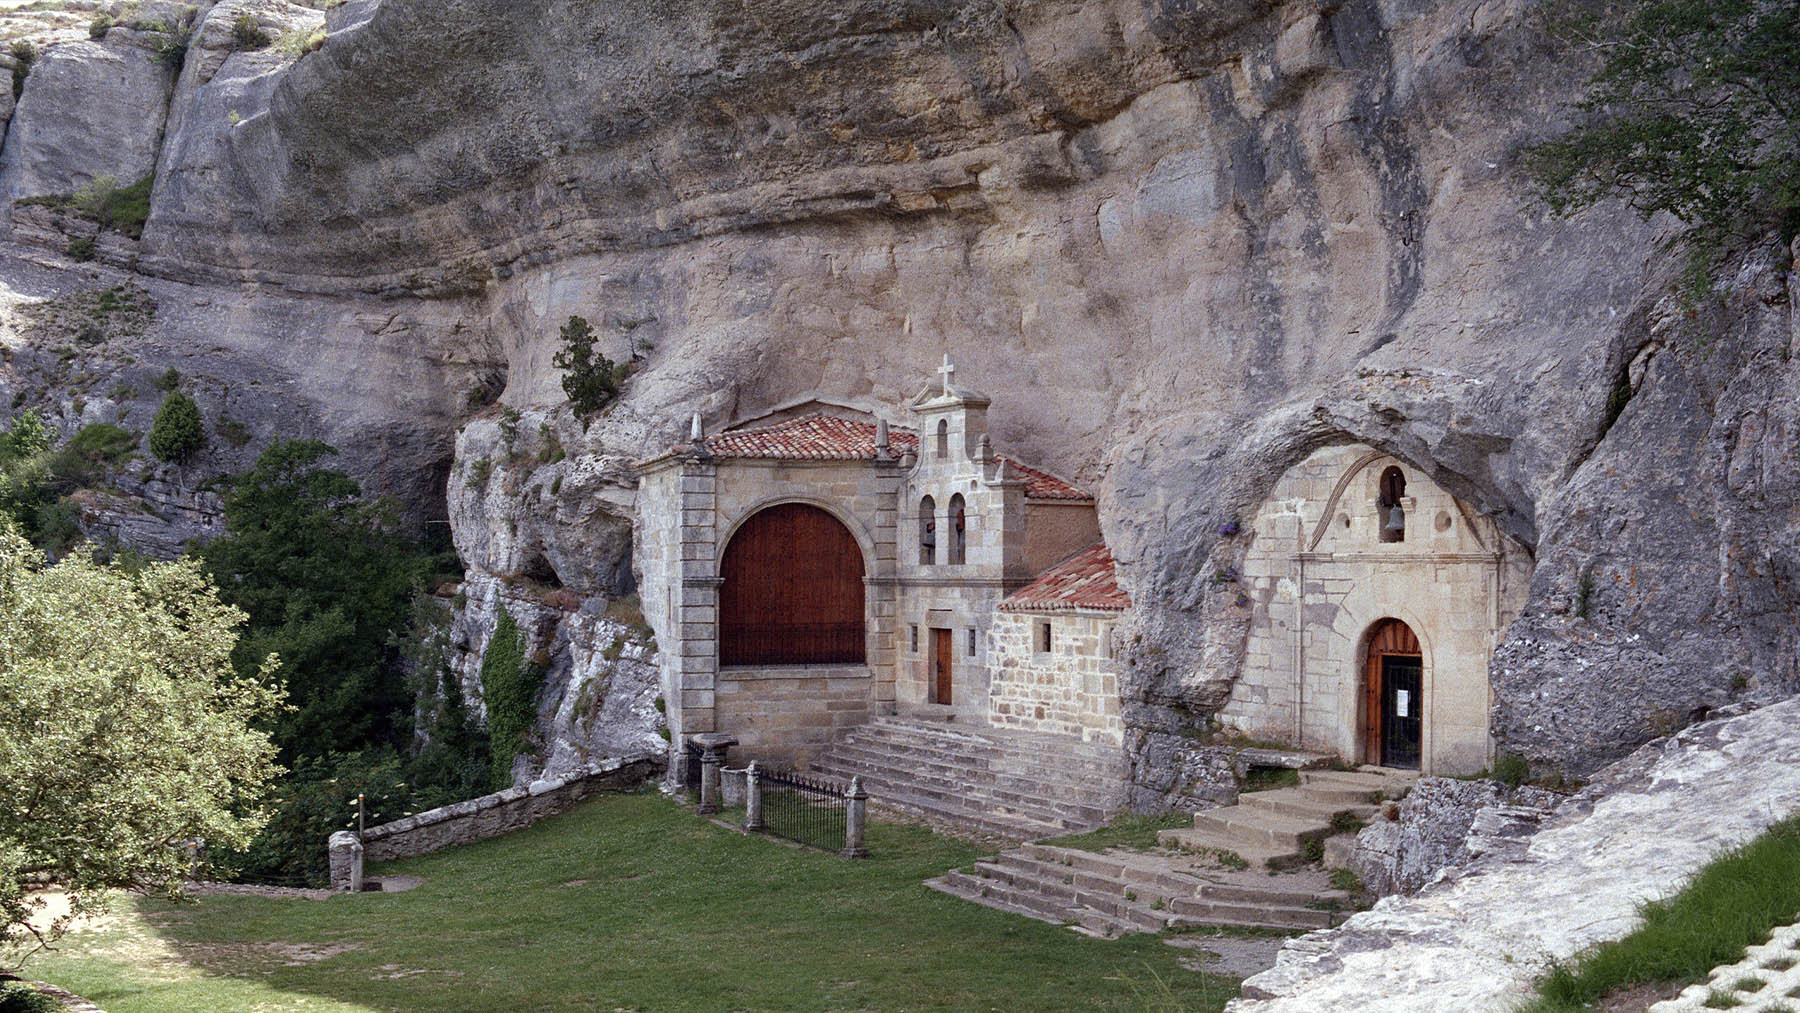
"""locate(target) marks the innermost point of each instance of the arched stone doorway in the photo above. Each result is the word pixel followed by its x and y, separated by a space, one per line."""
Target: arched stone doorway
pixel 791 590
pixel 1393 699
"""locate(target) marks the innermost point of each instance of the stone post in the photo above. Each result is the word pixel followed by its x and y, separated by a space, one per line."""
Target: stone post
pixel 856 813
pixel 753 820
pixel 346 861
pixel 712 754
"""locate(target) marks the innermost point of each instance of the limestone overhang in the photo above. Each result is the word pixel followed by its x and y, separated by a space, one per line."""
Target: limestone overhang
pixel 1084 582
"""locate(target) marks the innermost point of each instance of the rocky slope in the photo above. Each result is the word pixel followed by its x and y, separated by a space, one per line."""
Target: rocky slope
pixel 1220 234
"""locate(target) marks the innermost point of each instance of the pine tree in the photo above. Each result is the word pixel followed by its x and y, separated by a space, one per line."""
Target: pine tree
pixel 177 434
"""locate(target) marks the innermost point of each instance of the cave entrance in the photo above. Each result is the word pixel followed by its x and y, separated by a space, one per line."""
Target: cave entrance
pixel 1393 698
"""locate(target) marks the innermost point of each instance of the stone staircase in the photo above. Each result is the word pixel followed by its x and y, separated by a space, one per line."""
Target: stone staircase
pixel 1253 864
pixel 984 782
pixel 1115 892
pixel 1287 827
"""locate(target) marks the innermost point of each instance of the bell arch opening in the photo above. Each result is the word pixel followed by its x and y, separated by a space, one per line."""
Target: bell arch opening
pixel 791 590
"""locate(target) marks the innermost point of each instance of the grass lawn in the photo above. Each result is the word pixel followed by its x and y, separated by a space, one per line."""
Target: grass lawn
pixel 626 903
pixel 1730 904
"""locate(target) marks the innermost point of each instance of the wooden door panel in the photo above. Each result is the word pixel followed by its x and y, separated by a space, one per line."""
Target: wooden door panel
pixel 791 591
pixel 942 651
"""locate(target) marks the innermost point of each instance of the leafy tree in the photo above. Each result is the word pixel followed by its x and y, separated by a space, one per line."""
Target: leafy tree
pixel 36 480
pixel 316 799
pixel 1695 110
pixel 590 379
pixel 177 433
pixel 326 577
pixel 125 731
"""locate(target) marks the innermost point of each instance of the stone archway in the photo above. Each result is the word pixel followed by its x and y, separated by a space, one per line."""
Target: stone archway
pixel 791 590
pixel 1393 696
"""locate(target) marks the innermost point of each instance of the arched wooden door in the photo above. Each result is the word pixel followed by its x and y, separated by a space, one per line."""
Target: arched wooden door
pixel 792 591
pixel 1393 698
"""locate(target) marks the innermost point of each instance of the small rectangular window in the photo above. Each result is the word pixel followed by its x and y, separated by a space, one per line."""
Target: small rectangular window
pixel 1043 636
pixel 971 642
pixel 915 639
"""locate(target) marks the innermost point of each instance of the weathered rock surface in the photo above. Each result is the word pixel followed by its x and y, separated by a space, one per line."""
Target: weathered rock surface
pixel 1184 244
pixel 601 690
pixel 1429 830
pixel 121 90
pixel 1476 938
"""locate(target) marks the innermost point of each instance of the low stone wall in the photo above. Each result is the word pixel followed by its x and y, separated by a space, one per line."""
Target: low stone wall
pixel 488 816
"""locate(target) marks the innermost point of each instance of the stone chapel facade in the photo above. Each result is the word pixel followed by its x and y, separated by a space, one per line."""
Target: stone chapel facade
pixel 1377 599
pixel 820 565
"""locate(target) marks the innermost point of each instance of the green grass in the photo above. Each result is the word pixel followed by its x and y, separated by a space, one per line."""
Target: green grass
pixel 627 902
pixel 1127 830
pixel 1732 903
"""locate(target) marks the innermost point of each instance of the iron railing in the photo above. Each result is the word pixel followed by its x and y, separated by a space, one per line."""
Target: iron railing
pixel 805 810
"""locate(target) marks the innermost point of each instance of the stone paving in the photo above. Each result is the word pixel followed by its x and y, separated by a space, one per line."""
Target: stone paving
pixel 1766 980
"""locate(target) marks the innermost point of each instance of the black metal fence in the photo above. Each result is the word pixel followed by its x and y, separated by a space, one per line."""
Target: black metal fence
pixel 805 810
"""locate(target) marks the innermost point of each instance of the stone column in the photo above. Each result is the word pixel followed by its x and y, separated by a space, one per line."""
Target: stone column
pixel 856 814
pixel 753 820
pixel 712 755
pixel 881 583
pixel 694 651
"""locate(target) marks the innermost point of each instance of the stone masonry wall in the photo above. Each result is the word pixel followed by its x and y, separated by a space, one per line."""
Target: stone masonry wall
pixel 785 716
pixel 1071 690
pixel 478 819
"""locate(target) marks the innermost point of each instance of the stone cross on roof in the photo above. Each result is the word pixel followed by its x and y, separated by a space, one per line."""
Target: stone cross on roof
pixel 948 370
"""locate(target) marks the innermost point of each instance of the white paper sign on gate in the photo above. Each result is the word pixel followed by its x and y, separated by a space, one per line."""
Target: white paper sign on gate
pixel 1402 699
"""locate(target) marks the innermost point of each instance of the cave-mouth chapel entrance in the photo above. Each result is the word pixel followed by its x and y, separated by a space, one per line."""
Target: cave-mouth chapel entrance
pixel 1393 704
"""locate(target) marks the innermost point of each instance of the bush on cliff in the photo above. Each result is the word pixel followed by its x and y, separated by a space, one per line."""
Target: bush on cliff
pixel 177 434
pixel 1694 110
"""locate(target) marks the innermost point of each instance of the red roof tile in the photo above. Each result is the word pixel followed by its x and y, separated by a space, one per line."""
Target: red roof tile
pixel 1083 581
pixel 823 437
pixel 813 437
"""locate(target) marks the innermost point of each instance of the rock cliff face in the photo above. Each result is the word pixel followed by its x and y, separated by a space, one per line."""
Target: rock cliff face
pixel 1221 235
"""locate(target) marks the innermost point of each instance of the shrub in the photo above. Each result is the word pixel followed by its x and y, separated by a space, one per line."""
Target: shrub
pixel 247 34
pixel 590 379
pixel 479 474
pixel 1511 769
pixel 509 426
pixel 24 54
pixel 169 381
pixel 102 23
pixel 177 435
pixel 232 431
pixel 80 250
pixel 315 800
pixel 122 209
pixel 509 687
pixel 18 997
pixel 1693 111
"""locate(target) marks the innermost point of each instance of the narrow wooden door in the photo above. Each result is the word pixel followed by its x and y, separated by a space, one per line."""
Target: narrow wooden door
pixel 1392 706
pixel 942 650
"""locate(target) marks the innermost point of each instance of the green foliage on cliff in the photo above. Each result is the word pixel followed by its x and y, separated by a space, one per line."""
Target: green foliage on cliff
pixel 38 480
pixel 177 434
pixel 509 687
pixel 590 379
pixel 327 577
pixel 247 34
pixel 103 201
pixel 1694 110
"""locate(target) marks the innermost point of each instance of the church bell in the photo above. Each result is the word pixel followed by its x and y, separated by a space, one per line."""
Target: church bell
pixel 1396 519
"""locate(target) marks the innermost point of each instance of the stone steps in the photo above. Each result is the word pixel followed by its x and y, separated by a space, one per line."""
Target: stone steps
pixel 947 777
pixel 1277 829
pixel 1002 784
pixel 1115 892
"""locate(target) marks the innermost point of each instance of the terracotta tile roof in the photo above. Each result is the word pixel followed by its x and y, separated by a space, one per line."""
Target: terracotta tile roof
pixel 823 437
pixel 812 437
pixel 1043 485
pixel 1083 581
